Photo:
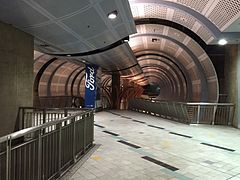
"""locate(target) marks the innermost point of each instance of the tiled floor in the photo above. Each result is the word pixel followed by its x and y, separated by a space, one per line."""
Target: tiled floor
pixel 141 147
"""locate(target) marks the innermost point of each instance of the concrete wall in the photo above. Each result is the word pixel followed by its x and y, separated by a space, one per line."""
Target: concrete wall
pixel 16 75
pixel 232 79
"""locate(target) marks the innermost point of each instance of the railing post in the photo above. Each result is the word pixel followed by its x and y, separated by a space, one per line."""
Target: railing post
pixel 65 115
pixel 231 113
pixel 44 119
pixel 198 114
pixel 19 119
pixel 84 132
pixel 44 116
pixel 65 112
pixel 92 123
pixel 74 139
pixel 214 113
pixel 23 114
pixel 175 111
pixel 8 158
pixel 60 148
pixel 40 154
pixel 182 112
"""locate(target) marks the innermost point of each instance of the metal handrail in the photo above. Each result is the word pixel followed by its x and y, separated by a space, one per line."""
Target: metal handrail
pixel 26 131
pixel 186 112
pixel 34 116
pixel 188 103
pixel 48 150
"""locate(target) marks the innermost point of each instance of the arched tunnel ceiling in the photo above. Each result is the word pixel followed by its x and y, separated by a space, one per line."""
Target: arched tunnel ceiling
pixel 207 18
pixel 83 27
pixel 184 49
pixel 57 77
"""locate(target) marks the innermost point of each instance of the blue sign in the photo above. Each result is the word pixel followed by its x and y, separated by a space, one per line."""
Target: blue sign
pixel 90 86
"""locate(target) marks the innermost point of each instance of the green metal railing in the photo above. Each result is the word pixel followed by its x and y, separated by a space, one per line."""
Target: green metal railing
pixel 189 113
pixel 49 149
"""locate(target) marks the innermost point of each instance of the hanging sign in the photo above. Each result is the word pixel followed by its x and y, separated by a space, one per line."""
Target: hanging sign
pixel 90 86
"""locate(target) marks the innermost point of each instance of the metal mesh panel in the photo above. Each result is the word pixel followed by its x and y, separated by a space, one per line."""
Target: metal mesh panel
pixel 224 12
pixel 198 5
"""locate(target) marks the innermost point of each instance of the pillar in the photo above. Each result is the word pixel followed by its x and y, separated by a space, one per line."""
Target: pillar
pixel 16 74
pixel 115 91
pixel 99 88
pixel 232 79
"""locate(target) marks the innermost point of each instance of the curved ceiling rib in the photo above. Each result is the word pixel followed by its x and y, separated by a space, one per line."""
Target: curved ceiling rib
pixel 166 49
pixel 68 79
pixel 176 74
pixel 208 19
pixel 92 52
pixel 175 84
pixel 84 27
pixel 49 83
pixel 173 25
pixel 158 56
pixel 172 14
pixel 203 97
pixel 186 10
pixel 38 76
pixel 52 76
pixel 156 61
pixel 171 41
pixel 165 78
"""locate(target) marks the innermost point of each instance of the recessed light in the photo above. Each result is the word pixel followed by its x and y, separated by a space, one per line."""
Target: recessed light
pixel 68 55
pixel 126 39
pixel 112 15
pixel 222 42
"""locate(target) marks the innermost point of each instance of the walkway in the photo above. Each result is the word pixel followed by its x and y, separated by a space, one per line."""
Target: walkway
pixel 142 147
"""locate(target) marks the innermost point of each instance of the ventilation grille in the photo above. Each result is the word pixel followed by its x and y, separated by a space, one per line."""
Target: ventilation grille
pixel 155 11
pixel 134 10
pixel 158 11
pixel 183 19
pixel 197 5
pixel 224 12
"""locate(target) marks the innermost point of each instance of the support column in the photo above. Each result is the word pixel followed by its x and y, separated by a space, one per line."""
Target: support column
pixel 99 88
pixel 115 91
pixel 232 79
pixel 237 119
pixel 16 75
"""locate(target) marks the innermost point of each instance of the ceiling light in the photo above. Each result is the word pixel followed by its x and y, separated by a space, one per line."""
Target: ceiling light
pixel 112 15
pixel 222 42
pixel 126 39
pixel 69 55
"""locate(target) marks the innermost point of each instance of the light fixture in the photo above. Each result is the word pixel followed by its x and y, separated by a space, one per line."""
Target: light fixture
pixel 126 39
pixel 112 15
pixel 222 42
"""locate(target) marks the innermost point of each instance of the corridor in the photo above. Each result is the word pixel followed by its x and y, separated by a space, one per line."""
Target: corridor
pixel 136 146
